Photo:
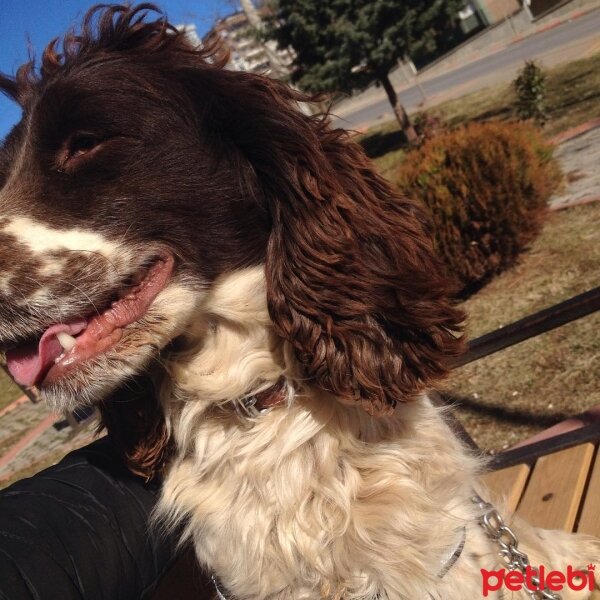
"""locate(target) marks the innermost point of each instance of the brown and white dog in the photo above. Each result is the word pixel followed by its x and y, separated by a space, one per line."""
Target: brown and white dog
pixel 169 225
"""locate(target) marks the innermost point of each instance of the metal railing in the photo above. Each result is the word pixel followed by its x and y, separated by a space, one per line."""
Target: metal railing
pixel 531 326
pixel 524 329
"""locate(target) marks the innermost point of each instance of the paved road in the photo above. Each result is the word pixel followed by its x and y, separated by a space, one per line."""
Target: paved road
pixel 567 41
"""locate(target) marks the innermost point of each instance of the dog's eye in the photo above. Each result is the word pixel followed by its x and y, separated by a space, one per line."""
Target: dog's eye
pixel 82 143
pixel 76 150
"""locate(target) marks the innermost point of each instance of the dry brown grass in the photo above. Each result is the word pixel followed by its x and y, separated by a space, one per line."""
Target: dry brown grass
pixel 8 390
pixel 521 390
pixel 572 97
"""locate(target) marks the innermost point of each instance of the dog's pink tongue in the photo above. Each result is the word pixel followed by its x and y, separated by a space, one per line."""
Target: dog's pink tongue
pixel 29 363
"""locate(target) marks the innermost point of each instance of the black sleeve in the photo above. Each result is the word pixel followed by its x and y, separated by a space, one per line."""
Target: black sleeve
pixel 79 530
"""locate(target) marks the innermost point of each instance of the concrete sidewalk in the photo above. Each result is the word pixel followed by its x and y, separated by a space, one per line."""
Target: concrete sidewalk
pixel 28 439
pixel 579 158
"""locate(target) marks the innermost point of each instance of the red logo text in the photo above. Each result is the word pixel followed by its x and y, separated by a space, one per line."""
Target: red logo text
pixel 537 579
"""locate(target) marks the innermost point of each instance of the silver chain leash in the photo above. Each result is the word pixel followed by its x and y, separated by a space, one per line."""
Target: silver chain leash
pixel 514 559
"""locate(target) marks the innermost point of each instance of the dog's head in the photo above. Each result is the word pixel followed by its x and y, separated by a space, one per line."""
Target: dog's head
pixel 142 170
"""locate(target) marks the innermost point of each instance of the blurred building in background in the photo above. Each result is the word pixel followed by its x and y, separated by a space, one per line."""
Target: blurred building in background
pixel 248 51
pixel 539 8
pixel 479 15
pixel 490 12
pixel 494 11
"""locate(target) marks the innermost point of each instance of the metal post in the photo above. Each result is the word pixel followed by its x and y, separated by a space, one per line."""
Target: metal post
pixel 31 393
pixel 415 73
pixel 510 22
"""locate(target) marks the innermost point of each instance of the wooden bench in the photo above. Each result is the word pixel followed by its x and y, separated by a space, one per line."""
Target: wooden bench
pixel 554 483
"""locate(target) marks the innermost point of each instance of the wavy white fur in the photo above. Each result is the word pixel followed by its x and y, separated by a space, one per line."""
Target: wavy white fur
pixel 317 499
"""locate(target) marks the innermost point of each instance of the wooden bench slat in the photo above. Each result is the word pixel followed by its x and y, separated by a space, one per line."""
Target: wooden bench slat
pixel 506 485
pixel 589 521
pixel 555 488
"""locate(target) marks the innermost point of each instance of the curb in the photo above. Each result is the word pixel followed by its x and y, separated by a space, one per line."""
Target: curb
pixel 574 132
pixel 68 448
pixel 515 39
pixel 579 202
pixel 27 439
pixel 547 27
pixel 14 404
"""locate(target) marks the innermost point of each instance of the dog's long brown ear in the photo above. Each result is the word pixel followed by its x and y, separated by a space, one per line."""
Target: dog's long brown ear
pixel 353 281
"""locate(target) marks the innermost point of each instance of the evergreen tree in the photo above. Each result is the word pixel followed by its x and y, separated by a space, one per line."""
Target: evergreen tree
pixel 344 45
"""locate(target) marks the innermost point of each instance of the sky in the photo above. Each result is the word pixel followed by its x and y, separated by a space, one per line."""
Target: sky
pixel 38 21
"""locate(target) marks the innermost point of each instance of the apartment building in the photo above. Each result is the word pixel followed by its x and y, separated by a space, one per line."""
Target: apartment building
pixel 247 51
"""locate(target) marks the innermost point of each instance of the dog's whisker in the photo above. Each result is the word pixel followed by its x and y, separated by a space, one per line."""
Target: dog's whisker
pixel 85 294
pixel 123 239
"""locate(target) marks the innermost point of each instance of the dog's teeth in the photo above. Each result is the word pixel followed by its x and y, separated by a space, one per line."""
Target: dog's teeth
pixel 65 340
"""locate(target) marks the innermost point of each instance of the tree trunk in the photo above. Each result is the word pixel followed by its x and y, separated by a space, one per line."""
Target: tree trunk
pixel 407 129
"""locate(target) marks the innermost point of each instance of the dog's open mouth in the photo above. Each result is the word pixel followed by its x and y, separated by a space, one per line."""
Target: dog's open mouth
pixel 63 347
